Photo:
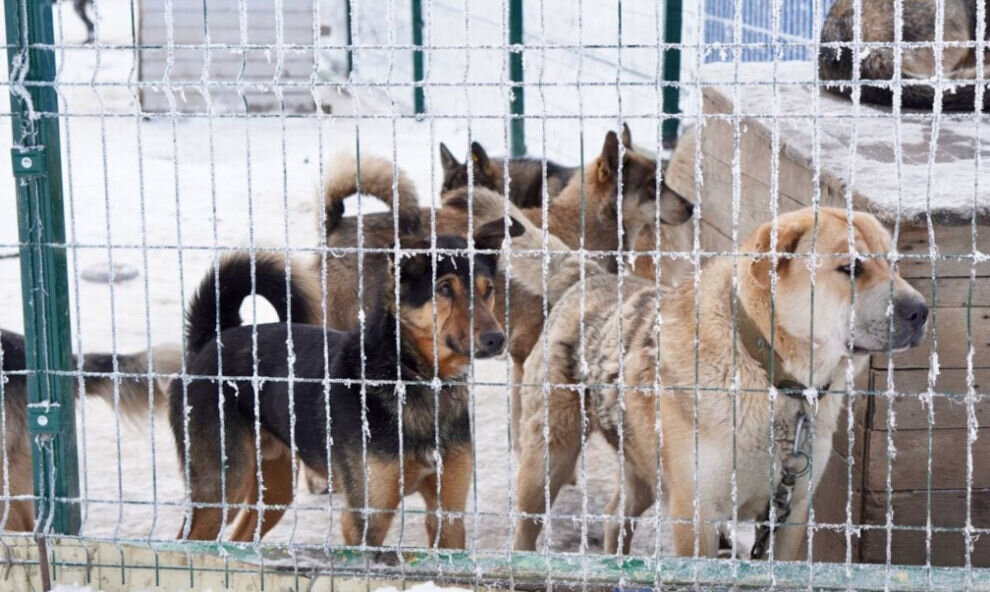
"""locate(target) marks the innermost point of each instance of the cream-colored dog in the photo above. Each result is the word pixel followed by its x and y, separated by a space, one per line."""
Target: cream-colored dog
pixel 859 305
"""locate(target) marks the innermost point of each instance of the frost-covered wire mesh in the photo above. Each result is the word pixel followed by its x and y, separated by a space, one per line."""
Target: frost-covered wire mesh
pixel 195 129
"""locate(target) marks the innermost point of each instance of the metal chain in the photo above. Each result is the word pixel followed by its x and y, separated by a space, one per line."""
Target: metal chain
pixel 794 466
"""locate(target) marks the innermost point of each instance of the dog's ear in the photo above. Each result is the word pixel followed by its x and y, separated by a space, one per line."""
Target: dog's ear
pixel 608 162
pixel 447 160
pixel 788 236
pixel 479 156
pixel 412 265
pixel 626 137
pixel 490 235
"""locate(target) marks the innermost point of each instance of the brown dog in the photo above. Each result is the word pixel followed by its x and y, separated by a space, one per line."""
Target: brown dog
pixel 645 381
pixel 101 378
pixel 918 63
pixel 526 175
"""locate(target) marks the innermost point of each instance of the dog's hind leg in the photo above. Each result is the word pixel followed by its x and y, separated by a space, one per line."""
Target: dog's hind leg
pixel 448 533
pixel 80 7
pixel 561 453
pixel 277 489
pixel 19 513
pixel 639 496
pixel 368 524
pixel 209 515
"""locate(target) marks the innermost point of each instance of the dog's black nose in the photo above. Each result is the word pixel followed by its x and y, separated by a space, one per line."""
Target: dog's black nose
pixel 493 341
pixel 689 208
pixel 912 311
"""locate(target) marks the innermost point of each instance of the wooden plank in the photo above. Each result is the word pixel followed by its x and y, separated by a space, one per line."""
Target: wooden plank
pixel 911 413
pixel 953 341
pixel 754 200
pixel 955 291
pixel 948 509
pixel 296 100
pixel 909 467
pixel 951 241
pixel 755 150
pixel 226 67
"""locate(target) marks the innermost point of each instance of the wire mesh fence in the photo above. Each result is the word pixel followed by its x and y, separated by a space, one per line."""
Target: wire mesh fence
pixel 635 294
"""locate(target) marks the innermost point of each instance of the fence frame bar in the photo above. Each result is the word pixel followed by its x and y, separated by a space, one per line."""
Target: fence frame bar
pixel 673 25
pixel 517 104
pixel 419 96
pixel 36 154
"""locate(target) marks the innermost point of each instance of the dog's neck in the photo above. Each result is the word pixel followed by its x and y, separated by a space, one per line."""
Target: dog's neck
pixel 808 364
pixel 601 230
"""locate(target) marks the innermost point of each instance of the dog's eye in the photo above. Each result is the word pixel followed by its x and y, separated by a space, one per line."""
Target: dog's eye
pixel 854 269
pixel 445 290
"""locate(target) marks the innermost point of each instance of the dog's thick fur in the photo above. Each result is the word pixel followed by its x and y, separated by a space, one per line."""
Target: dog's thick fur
pixel 526 175
pixel 658 374
pixel 434 328
pixel 591 197
pixel 101 379
pixel 917 63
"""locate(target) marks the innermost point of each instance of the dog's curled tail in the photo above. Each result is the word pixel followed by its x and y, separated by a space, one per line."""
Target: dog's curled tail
pixel 290 290
pixel 371 175
pixel 130 378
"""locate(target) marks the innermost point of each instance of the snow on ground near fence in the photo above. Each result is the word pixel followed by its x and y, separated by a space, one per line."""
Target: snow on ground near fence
pixel 161 179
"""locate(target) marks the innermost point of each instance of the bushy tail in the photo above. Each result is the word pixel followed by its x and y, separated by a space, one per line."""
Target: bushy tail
pixel 374 177
pixel 99 375
pixel 130 378
pixel 270 271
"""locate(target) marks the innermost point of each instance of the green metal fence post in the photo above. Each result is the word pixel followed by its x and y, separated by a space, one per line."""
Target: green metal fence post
pixel 350 39
pixel 673 22
pixel 37 166
pixel 517 106
pixel 419 97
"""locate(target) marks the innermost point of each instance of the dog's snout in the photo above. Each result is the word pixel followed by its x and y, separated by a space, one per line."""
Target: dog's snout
pixel 912 311
pixel 492 342
pixel 688 208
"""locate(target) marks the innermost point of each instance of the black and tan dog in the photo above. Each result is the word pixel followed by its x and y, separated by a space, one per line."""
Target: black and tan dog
pixel 137 382
pixel 441 320
pixel 526 175
pixel 918 63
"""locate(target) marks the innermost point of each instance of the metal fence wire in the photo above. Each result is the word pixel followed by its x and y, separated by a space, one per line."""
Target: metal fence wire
pixel 593 294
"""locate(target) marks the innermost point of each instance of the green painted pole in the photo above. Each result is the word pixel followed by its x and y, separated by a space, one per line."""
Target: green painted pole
pixel 350 40
pixel 672 70
pixel 37 166
pixel 419 97
pixel 517 106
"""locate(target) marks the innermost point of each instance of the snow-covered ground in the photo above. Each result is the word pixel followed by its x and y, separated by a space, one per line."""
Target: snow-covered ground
pixel 163 193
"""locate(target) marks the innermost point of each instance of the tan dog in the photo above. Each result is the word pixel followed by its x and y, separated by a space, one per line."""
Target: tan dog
pixel 667 391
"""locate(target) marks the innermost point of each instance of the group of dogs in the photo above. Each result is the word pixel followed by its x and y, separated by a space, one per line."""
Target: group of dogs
pixel 704 389
pixel 374 402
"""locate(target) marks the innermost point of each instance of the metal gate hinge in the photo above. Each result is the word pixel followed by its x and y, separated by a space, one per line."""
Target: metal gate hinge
pixel 29 161
pixel 44 418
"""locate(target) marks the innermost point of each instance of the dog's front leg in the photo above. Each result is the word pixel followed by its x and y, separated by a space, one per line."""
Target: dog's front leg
pixel 788 543
pixel 448 531
pixel 681 509
pixel 639 496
